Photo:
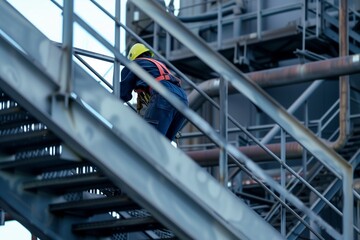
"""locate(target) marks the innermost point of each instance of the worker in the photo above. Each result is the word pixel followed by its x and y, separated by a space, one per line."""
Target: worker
pixel 159 112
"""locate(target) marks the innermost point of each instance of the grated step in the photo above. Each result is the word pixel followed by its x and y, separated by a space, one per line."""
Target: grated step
pixel 11 142
pixel 89 207
pixel 107 228
pixel 74 183
pixel 40 164
pixel 15 115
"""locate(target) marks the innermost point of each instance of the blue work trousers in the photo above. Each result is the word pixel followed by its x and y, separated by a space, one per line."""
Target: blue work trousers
pixel 162 115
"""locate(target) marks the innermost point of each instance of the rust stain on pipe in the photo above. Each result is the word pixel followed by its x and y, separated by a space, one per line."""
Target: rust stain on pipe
pixel 256 153
pixel 334 67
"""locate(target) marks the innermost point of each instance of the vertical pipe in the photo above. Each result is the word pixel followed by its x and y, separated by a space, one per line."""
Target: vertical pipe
pixel 223 158
pixel 344 80
pixel 116 72
pixel 348 207
pixel 67 46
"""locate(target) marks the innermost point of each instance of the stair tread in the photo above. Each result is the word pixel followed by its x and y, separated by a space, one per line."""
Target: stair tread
pixel 90 207
pixel 12 142
pixel 15 115
pixel 117 226
pixel 39 164
pixel 77 182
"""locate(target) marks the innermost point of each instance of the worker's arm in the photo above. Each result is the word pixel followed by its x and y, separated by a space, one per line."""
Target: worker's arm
pixel 127 84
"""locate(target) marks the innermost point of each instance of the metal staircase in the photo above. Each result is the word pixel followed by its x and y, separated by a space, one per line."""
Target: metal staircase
pixel 71 166
pixel 163 180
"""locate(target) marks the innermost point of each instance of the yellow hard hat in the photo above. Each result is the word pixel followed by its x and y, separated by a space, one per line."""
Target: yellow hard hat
pixel 137 49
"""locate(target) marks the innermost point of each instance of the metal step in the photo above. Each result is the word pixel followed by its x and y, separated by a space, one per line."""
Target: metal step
pixel 39 160
pixel 40 164
pixel 107 228
pixel 14 115
pixel 12 140
pixel 74 183
pixel 89 207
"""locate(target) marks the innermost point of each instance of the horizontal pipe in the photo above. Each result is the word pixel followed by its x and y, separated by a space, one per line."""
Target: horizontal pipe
pixel 270 78
pixel 299 73
pixel 256 153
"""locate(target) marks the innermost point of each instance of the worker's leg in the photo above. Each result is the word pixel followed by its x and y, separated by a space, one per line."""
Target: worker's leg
pixel 159 113
pixel 175 126
pixel 178 119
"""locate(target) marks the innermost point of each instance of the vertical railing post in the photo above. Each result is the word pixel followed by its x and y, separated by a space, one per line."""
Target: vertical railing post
pixel 156 36
pixel 223 160
pixel 283 180
pixel 67 46
pixel 304 154
pixel 259 19
pixel 304 20
pixel 318 22
pixel 116 72
pixel 168 45
pixel 219 25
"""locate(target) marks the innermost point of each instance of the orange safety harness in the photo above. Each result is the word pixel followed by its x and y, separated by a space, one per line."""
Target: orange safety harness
pixel 161 67
pixel 143 95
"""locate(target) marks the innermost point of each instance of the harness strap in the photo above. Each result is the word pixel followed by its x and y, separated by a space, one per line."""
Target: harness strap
pixel 162 68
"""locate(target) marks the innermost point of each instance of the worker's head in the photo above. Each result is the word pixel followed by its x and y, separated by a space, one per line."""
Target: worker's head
pixel 139 49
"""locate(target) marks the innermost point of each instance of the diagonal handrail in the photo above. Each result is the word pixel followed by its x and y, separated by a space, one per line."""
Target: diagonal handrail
pixel 244 85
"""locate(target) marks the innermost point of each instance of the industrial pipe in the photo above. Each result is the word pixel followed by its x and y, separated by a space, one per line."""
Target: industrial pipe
pixel 344 85
pixel 285 76
pixel 210 157
pixel 279 77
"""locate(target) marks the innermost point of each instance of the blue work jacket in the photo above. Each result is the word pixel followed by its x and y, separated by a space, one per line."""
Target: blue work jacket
pixel 130 81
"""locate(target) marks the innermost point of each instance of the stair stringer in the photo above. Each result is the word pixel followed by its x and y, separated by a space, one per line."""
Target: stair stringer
pixel 161 178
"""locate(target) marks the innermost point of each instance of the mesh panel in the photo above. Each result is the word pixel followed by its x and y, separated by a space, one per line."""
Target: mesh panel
pixel 119 236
